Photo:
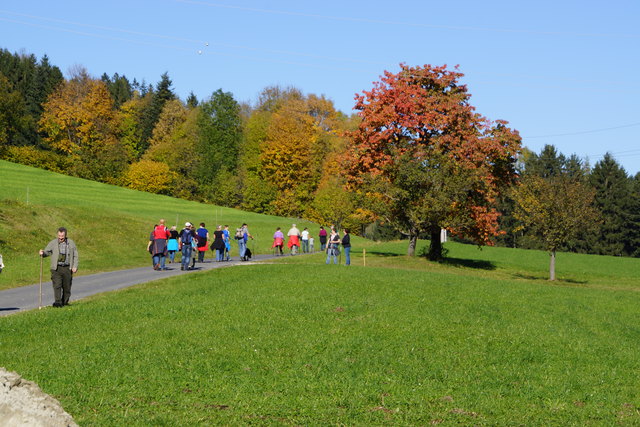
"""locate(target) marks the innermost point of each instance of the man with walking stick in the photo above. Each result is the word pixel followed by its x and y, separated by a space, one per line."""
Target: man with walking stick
pixel 64 263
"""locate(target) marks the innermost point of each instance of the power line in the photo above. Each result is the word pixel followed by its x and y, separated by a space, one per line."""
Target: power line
pixel 82 33
pixel 405 24
pixel 253 49
pixel 163 36
pixel 625 153
pixel 201 52
pixel 503 83
pixel 583 132
pixel 100 27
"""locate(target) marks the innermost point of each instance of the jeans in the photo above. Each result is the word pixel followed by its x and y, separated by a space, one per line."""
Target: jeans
pixel 200 256
pixel 332 253
pixel 305 246
pixel 347 255
pixel 219 254
pixel 172 256
pixel 159 259
pixel 186 255
pixel 242 247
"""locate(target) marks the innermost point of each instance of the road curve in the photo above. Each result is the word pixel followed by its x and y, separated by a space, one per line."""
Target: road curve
pixel 25 298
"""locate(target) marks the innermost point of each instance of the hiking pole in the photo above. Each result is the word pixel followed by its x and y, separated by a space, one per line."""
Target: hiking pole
pixel 40 293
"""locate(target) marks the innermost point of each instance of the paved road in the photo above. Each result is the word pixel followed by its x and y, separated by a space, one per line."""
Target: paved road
pixel 26 297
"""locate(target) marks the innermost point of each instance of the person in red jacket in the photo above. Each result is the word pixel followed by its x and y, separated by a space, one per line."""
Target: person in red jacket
pixel 278 241
pixel 294 239
pixel 158 245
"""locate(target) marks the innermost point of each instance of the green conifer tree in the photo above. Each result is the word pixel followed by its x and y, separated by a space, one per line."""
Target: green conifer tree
pixel 160 96
pixel 612 186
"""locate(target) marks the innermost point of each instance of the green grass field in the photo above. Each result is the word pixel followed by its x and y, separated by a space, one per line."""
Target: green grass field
pixel 482 339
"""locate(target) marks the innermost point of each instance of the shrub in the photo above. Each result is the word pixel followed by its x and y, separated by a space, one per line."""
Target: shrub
pixel 40 159
pixel 149 176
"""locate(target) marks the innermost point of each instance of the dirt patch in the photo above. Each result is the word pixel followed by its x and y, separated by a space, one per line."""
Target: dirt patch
pixel 22 403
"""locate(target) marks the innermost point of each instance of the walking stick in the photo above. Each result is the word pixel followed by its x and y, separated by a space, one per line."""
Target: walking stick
pixel 40 293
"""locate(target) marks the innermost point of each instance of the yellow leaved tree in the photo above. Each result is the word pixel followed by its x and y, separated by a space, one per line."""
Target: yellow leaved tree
pixel 286 157
pixel 556 209
pixel 149 176
pixel 79 120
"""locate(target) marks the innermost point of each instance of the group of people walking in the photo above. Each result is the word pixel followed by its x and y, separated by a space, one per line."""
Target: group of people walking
pixel 294 237
pixel 166 242
pixel 193 244
pixel 329 242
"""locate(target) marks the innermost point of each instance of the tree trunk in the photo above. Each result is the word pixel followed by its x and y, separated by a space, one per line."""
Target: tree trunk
pixel 435 248
pixel 552 266
pixel 413 241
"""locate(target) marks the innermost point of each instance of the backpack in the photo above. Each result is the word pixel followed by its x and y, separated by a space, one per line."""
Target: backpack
pixel 239 235
pixel 186 237
pixel 160 232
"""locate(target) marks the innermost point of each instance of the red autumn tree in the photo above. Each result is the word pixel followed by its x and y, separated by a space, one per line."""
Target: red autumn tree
pixel 422 159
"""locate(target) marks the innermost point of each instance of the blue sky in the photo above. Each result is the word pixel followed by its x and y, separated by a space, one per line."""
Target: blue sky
pixel 565 73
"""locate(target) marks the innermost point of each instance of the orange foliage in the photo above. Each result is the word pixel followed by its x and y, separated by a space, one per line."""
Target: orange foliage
pixel 423 115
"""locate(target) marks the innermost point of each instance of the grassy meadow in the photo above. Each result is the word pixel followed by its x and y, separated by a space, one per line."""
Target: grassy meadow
pixel 481 339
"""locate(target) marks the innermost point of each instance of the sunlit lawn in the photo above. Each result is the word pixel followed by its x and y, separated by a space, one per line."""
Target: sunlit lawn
pixel 316 344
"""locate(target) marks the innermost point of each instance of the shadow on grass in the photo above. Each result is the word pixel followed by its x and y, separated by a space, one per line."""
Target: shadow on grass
pixel 454 262
pixel 469 263
pixel 546 279
pixel 385 254
pixel 528 276
pixel 573 281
